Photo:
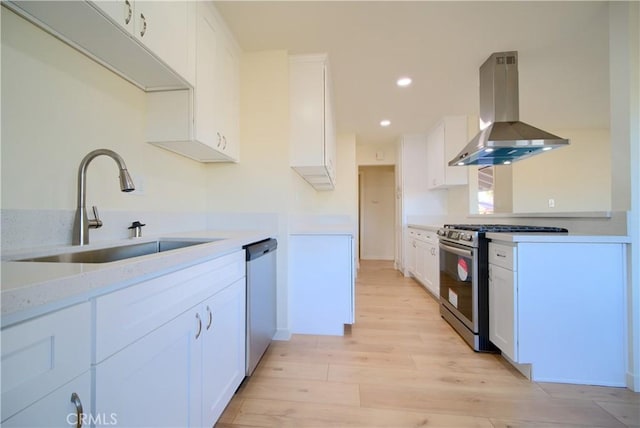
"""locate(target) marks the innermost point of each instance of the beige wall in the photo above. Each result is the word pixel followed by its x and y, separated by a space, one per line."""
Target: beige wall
pixel 377 212
pixel 577 177
pixel 367 154
pixel 57 105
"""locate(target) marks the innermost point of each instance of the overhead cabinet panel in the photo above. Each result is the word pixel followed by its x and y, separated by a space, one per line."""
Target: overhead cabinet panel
pixel 148 48
pixel 312 132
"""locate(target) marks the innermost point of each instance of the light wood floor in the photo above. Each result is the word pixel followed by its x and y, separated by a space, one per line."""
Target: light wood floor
pixel 401 365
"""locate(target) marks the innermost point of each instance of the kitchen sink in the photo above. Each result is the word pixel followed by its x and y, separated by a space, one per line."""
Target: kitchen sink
pixel 112 254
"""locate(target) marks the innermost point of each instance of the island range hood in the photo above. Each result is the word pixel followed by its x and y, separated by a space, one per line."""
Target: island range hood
pixel 503 138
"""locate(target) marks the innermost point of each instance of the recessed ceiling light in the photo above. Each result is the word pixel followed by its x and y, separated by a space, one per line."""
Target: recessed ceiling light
pixel 404 81
pixel 385 122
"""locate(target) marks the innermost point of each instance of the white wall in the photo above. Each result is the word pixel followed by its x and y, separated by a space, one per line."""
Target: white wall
pixel 57 105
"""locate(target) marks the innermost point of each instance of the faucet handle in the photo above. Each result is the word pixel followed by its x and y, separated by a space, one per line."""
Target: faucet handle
pixel 95 222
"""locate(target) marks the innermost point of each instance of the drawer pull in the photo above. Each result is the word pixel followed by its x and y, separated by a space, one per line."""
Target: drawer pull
pixel 503 255
pixel 75 399
pixel 127 20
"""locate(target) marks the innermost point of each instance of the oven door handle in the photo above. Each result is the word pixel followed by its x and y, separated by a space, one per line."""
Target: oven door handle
pixel 455 250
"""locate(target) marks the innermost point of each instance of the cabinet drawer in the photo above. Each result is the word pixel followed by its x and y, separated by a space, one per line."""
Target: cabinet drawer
pixel 125 316
pixel 503 255
pixel 42 354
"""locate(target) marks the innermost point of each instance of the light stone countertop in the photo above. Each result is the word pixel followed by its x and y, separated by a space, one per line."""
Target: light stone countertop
pixel 431 228
pixel 29 289
pixel 323 229
pixel 558 238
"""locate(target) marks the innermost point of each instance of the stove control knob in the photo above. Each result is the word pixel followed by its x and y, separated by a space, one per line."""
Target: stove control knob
pixel 442 232
pixel 466 237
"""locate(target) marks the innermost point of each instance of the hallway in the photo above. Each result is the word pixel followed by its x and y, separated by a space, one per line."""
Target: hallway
pixel 401 365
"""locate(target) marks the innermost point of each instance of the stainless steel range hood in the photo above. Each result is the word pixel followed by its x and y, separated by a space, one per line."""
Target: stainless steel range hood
pixel 503 138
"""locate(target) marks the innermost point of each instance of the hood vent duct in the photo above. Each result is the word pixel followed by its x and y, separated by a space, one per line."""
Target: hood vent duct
pixel 503 138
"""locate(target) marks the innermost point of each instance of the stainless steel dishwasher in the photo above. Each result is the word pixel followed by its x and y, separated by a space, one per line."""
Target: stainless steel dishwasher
pixel 261 299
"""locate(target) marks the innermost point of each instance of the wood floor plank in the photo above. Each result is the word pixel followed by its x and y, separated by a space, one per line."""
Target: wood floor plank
pixel 311 391
pixel 401 365
pixel 270 413
pixel 486 405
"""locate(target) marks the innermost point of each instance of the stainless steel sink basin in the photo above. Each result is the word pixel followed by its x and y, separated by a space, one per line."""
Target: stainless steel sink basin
pixel 112 254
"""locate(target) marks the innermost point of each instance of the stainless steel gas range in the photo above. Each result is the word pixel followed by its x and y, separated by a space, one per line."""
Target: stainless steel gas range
pixel 464 277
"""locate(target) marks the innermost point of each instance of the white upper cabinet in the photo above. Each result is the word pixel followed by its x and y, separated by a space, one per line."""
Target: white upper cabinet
pixel 445 140
pixel 312 132
pixel 145 42
pixel 202 123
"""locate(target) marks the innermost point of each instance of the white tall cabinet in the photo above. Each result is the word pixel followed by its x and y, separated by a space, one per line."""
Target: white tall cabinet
pixel 312 128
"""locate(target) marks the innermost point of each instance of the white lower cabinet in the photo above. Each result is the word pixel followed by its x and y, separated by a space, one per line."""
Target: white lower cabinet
pixel 423 259
pixel 182 374
pixel 503 310
pixel 321 280
pixel 559 308
pixel 44 361
pixel 170 351
pixel 62 408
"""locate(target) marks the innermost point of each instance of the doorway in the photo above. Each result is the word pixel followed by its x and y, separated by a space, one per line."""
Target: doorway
pixel 377 212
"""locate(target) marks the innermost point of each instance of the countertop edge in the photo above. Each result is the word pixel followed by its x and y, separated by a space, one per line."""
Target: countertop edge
pixel 557 238
pixel 431 228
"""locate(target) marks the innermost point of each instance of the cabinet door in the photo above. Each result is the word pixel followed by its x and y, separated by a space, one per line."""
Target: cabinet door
pixel 204 94
pixel 503 310
pixel 227 98
pixel 121 11
pixel 42 354
pixel 435 157
pixel 432 270
pixel 155 381
pixel 59 409
pixel 421 261
pixel 163 26
pixel 411 257
pixel 223 349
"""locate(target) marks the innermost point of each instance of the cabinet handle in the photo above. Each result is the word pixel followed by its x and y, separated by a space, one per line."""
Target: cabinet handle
pixel 414 244
pixel 210 317
pixel 503 255
pixel 144 25
pixel 219 138
pixel 199 325
pixel 75 399
pixel 127 20
pixel 224 140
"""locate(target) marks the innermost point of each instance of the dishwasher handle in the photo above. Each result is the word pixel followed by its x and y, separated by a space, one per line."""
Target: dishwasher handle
pixel 259 249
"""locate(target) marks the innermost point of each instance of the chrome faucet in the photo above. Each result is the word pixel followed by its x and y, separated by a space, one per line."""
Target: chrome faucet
pixel 82 223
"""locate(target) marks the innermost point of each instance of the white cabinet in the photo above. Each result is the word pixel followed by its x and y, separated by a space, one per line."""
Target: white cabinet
pixel 162 26
pixel 444 142
pixel 223 349
pixel 202 123
pixel 312 129
pixel 39 357
pixel 151 48
pixel 188 353
pixel 559 307
pixel 423 259
pixel 503 306
pixel 321 280
pixel 192 365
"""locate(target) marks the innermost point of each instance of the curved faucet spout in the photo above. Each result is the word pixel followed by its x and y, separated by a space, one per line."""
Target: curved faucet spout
pixel 82 223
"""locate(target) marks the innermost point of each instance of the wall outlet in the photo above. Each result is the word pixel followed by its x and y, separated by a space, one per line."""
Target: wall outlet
pixel 552 203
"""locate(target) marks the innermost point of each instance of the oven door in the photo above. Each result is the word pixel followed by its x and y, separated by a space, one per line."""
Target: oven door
pixel 458 282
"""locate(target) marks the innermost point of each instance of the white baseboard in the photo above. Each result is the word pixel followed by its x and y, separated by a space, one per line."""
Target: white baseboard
pixel 282 334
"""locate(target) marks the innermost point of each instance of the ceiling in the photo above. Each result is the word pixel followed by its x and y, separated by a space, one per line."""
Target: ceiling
pixel 563 50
